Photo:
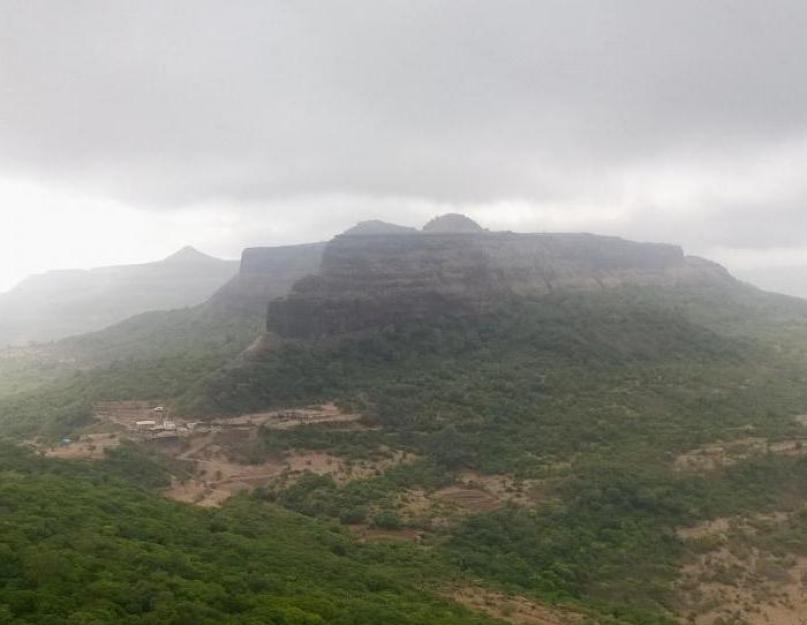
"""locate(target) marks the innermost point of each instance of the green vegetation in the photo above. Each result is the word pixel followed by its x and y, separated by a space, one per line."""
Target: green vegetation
pixel 62 406
pixel 51 391
pixel 612 541
pixel 593 395
pixel 612 375
pixel 78 545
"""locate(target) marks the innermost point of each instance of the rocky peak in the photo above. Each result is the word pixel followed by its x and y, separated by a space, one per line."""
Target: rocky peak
pixel 376 226
pixel 188 254
pixel 452 223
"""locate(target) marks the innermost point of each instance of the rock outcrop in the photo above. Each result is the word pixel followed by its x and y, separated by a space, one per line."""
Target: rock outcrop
pixel 265 274
pixel 452 223
pixel 376 226
pixel 455 269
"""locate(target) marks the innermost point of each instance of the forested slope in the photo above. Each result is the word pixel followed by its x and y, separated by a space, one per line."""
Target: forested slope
pixel 80 545
pixel 559 447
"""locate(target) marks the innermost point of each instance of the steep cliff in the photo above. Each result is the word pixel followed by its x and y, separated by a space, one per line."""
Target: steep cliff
pixel 265 274
pixel 373 280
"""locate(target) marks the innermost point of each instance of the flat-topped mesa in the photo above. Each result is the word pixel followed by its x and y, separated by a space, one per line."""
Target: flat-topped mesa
pixel 375 280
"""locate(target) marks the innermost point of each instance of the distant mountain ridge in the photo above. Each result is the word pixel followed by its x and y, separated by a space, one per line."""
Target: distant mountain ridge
pixel 57 304
pixel 227 322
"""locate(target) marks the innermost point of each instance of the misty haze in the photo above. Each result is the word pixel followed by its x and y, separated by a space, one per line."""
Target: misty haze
pixel 413 313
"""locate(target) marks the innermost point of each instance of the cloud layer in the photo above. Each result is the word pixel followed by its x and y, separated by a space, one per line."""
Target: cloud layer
pixel 682 120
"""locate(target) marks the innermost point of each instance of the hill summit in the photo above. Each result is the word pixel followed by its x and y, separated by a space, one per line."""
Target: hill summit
pixel 452 222
pixel 190 254
pixel 57 304
pixel 376 226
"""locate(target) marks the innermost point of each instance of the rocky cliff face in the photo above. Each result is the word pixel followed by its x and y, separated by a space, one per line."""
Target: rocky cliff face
pixel 373 280
pixel 265 274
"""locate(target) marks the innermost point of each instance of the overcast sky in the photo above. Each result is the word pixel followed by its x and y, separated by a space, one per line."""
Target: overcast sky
pixel 131 128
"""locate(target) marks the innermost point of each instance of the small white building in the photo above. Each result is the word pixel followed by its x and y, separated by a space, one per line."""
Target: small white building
pixel 145 425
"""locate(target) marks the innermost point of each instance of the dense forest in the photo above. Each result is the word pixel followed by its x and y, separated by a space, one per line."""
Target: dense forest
pixel 83 545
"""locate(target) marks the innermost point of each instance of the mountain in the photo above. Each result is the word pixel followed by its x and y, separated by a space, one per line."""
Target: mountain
pixel 372 278
pixel 448 425
pixel 587 421
pixel 176 342
pixel 57 304
pixel 226 323
pixel 452 223
pixel 376 226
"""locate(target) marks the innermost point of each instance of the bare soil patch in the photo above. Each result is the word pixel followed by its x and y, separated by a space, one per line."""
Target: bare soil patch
pixel 737 582
pixel 513 608
pixel 469 499
pixel 218 479
pixel 127 413
pixel 341 470
pixel 373 534
pixel 197 493
pixel 328 413
pixel 707 529
pixel 473 493
pixel 88 447
pixel 216 471
pixel 504 487
pixel 724 454
pixel 213 447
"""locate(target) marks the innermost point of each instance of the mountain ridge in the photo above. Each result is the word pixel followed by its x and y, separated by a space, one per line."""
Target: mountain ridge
pixel 56 304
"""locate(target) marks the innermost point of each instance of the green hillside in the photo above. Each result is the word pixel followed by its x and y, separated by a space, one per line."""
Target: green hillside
pixel 587 406
pixel 80 545
pixel 594 395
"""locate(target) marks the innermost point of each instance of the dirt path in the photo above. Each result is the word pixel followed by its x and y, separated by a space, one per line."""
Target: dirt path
pixel 196 445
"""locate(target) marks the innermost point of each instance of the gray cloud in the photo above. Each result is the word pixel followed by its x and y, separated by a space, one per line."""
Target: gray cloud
pixel 557 103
